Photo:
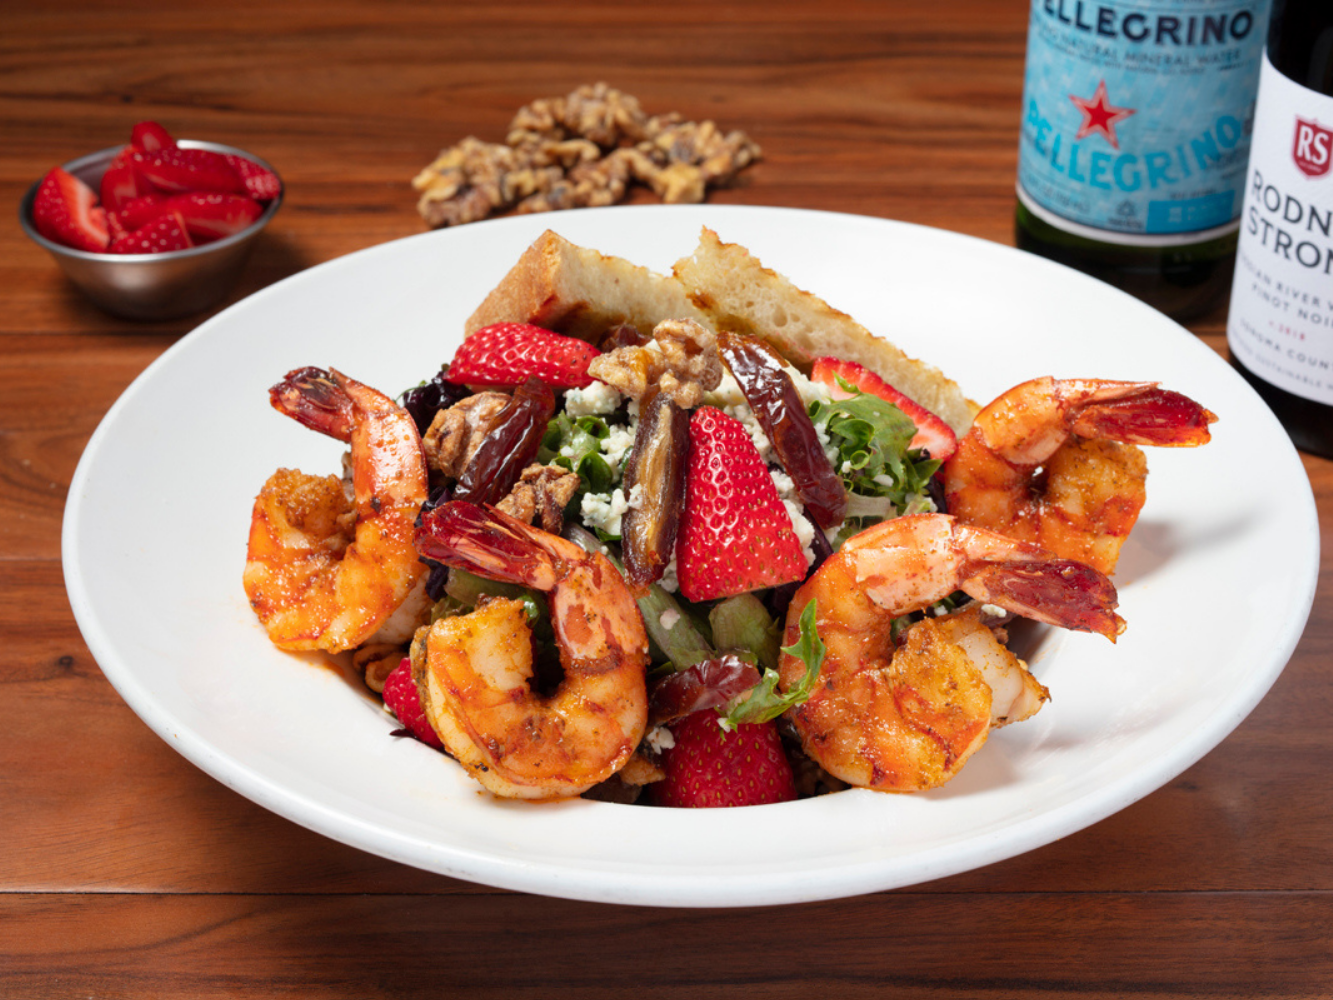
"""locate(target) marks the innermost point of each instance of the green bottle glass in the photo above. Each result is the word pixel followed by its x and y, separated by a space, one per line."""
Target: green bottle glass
pixel 1136 129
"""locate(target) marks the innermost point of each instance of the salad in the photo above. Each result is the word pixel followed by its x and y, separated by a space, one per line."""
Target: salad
pixel 716 477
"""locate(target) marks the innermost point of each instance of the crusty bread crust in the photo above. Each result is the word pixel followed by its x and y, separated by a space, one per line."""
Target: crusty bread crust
pixel 738 293
pixel 583 293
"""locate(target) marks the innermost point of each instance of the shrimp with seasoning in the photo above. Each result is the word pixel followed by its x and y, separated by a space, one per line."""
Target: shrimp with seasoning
pixel 1056 462
pixel 905 715
pixel 474 671
pixel 322 571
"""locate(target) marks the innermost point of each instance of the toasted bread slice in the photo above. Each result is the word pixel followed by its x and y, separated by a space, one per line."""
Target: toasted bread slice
pixel 583 293
pixel 738 293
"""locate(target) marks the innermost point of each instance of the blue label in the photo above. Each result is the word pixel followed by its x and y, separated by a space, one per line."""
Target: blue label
pixel 1137 116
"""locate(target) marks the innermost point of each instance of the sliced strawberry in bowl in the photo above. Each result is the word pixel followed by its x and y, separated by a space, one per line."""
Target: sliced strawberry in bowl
pixel 121 184
pixel 506 354
pixel 138 212
pixel 65 211
pixel 149 137
pixel 260 182
pixel 163 235
pixel 180 169
pixel 213 215
pixel 735 535
pixel 932 433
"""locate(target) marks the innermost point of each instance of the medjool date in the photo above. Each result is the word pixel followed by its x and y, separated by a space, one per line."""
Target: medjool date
pixel 510 444
pixel 657 468
pixel 781 412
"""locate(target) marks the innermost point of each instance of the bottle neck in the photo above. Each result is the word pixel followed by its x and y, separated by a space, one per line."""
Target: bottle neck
pixel 1300 42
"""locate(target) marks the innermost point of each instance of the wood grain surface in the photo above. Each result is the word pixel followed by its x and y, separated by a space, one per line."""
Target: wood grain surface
pixel 128 873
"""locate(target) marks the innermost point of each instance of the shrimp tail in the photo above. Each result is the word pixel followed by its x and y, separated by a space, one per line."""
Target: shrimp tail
pixel 316 399
pixel 486 541
pixel 1056 591
pixel 1146 416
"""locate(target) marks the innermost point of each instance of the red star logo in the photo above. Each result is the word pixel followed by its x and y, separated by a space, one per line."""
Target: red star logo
pixel 1099 115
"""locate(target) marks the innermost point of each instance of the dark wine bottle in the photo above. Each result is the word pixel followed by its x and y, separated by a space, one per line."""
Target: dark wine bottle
pixel 1136 130
pixel 1280 326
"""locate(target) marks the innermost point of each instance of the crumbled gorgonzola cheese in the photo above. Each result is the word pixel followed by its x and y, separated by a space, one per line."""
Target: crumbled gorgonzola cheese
pixel 604 511
pixel 597 399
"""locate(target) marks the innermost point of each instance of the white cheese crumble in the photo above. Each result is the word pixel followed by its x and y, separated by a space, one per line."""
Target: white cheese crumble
pixel 668 618
pixel 597 399
pixel 660 738
pixel 604 511
pixel 993 610
pixel 616 445
pixel 669 582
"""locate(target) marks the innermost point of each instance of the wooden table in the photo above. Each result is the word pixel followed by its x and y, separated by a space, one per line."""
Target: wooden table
pixel 127 873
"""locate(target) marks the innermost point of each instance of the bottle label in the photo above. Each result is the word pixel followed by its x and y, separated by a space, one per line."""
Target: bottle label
pixel 1137 116
pixel 1281 321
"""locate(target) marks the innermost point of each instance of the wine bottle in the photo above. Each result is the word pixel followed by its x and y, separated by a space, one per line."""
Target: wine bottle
pixel 1280 325
pixel 1136 130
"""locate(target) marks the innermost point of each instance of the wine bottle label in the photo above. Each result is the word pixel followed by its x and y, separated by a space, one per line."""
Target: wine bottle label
pixel 1281 321
pixel 1137 116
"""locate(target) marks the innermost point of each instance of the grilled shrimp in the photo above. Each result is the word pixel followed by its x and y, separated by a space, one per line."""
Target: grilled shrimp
pixel 475 670
pixel 905 716
pixel 1055 462
pixel 323 572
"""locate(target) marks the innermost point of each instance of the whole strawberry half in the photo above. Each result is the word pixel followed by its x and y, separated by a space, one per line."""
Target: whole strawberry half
pixel 65 211
pixel 710 767
pixel 735 535
pixel 403 700
pixel 162 235
pixel 505 354
pixel 932 433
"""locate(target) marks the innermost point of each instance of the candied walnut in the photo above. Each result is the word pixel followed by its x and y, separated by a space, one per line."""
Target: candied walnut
pixel 590 184
pixel 584 149
pixel 681 361
pixel 597 112
pixel 541 495
pixel 455 434
pixel 377 660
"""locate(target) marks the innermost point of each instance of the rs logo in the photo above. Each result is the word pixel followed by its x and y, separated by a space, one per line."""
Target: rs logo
pixel 1311 148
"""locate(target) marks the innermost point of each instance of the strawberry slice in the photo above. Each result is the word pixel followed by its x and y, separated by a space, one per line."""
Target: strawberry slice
pixel 162 235
pixel 506 354
pixel 178 170
pixel 138 212
pixel 149 137
pixel 735 535
pixel 65 211
pixel 121 183
pixel 212 215
pixel 932 433
pixel 710 767
pixel 260 182
pixel 404 701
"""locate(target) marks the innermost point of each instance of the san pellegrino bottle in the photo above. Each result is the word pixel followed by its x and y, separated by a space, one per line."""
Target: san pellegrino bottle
pixel 1280 326
pixel 1135 133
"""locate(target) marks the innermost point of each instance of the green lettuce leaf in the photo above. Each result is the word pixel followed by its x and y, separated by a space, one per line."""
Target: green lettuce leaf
pixel 883 476
pixel 575 443
pixel 764 701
